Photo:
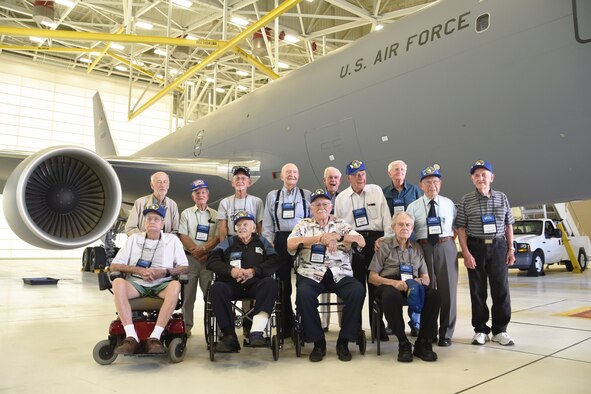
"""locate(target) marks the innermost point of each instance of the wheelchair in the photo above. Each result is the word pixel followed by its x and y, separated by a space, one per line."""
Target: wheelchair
pixel 376 317
pixel 272 332
pixel 144 315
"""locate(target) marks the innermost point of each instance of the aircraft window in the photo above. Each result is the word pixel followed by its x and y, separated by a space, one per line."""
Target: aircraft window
pixel 482 22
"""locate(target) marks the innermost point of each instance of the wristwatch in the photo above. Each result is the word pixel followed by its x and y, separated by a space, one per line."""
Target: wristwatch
pixel 341 238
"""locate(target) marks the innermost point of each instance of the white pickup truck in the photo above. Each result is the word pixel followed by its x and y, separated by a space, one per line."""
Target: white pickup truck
pixel 539 242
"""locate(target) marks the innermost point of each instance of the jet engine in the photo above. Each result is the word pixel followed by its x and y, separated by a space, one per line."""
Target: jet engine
pixel 62 197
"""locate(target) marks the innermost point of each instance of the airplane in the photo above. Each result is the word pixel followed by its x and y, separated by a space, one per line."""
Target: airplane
pixel 460 80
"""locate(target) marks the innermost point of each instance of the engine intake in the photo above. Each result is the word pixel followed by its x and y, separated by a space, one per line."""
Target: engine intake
pixel 62 198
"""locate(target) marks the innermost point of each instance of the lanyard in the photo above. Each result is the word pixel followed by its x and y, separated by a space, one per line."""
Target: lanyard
pixel 156 248
pixel 353 202
pixel 197 215
pixel 401 255
pixel 234 205
pixel 492 198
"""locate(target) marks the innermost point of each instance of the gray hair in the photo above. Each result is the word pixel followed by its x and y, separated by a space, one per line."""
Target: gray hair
pixel 331 169
pixel 407 214
pixel 391 165
pixel 156 173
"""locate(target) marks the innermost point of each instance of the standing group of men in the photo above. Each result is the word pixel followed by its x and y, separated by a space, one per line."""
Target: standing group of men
pixel 406 234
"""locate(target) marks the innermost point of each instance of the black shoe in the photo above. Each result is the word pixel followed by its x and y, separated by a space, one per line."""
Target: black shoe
pixel 444 342
pixel 343 350
pixel 424 350
pixel 414 332
pixel 257 339
pixel 228 344
pixel 318 352
pixel 405 352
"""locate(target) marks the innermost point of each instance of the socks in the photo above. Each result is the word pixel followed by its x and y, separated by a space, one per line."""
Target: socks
pixel 130 332
pixel 157 332
pixel 259 322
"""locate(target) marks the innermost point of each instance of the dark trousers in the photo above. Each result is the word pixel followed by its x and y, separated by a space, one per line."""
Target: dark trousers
pixel 361 263
pixel 264 290
pixel 490 265
pixel 392 301
pixel 348 289
pixel 284 275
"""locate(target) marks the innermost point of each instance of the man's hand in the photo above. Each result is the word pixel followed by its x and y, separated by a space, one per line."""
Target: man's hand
pixel 399 285
pixel 510 259
pixel 377 245
pixel 469 261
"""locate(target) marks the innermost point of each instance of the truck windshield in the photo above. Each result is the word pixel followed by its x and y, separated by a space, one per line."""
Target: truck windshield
pixel 528 227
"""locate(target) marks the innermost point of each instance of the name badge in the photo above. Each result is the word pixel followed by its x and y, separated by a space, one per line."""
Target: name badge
pixel 406 272
pixel 489 224
pixel 434 226
pixel 360 216
pixel 202 233
pixel 236 259
pixel 143 264
pixel 317 253
pixel 288 210
pixel 398 205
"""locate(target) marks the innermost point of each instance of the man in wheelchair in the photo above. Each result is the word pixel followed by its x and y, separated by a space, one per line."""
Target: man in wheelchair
pixel 149 260
pixel 243 265
pixel 324 263
pixel 396 266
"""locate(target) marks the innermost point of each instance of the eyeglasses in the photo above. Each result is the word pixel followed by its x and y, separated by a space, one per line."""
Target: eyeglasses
pixel 409 225
pixel 323 205
pixel 153 219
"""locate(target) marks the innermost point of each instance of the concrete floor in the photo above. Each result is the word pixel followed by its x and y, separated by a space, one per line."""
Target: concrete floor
pixel 48 333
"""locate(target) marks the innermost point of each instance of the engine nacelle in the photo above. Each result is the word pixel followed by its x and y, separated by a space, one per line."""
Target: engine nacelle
pixel 62 197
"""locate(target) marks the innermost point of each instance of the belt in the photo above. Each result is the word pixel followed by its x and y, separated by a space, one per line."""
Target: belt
pixel 440 240
pixel 486 241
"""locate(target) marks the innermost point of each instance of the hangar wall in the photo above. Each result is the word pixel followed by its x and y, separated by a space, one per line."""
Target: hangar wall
pixel 41 106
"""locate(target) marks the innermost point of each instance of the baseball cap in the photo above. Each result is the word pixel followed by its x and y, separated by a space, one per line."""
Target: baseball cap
pixel 430 171
pixel 319 193
pixel 242 215
pixel 354 166
pixel 159 209
pixel 481 164
pixel 244 169
pixel 199 184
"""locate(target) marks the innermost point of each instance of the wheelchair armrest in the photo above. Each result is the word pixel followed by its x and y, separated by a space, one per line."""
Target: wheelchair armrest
pixel 116 274
pixel 184 279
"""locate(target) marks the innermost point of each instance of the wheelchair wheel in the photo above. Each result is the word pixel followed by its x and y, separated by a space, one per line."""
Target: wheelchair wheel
pixel 176 350
pixel 211 352
pixel 104 353
pixel 297 341
pixel 275 347
pixel 362 342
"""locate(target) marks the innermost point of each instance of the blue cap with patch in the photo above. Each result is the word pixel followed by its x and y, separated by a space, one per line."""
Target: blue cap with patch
pixel 481 164
pixel 415 296
pixel 243 215
pixel 354 166
pixel 199 184
pixel 159 209
pixel 319 193
pixel 430 171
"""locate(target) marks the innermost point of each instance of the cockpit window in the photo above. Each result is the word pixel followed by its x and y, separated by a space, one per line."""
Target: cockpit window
pixel 482 23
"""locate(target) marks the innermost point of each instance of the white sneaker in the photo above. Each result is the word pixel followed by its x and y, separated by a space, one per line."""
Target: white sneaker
pixel 503 339
pixel 480 338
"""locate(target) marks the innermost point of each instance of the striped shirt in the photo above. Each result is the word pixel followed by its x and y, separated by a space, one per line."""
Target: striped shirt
pixel 473 205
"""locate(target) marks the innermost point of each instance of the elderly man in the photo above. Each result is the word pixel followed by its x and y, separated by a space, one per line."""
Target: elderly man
pixel 240 201
pixel 324 263
pixel 485 230
pixel 243 264
pixel 433 227
pixel 159 183
pixel 397 261
pixel 284 208
pixel 198 232
pixel 152 259
pixel 399 193
pixel 364 206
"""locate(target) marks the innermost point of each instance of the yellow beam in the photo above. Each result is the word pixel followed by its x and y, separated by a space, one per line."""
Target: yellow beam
pixel 92 65
pixel 282 8
pixel 569 250
pixel 46 49
pixel 85 36
pixel 254 62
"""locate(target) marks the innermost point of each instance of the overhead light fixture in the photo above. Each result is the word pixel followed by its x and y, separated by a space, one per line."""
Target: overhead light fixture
pixel 190 37
pixel 173 71
pixel 239 21
pixel 310 1
pixel 66 3
pixel 144 25
pixel 379 27
pixel 85 60
pixel 138 63
pixel 95 53
pixel 190 83
pixel 209 79
pixel 37 39
pixel 119 47
pixel 50 24
pixel 182 3
pixel 159 76
pixel 242 73
pixel 242 88
pixel 291 39
pixel 220 90
pixel 160 52
pixel 283 65
pixel 120 67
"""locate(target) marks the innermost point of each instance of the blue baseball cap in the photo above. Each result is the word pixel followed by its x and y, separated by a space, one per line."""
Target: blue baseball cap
pixel 199 184
pixel 415 296
pixel 481 164
pixel 238 216
pixel 430 171
pixel 159 209
pixel 238 169
pixel 354 166
pixel 319 193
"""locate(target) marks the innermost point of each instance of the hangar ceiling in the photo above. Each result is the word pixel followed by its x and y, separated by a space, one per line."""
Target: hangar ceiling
pixel 307 31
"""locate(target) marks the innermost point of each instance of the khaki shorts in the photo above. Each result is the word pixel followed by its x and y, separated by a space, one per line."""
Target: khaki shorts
pixel 149 291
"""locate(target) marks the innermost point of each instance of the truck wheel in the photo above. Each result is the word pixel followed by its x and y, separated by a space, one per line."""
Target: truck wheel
pixel 536 267
pixel 583 259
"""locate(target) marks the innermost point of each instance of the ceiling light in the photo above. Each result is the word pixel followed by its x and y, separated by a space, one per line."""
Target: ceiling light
pixel 190 37
pixel 85 60
pixel 209 79
pixel 310 1
pixel 242 73
pixel 160 52
pixel 159 76
pixel 182 3
pixel 120 67
pixel 220 90
pixel 37 39
pixel 239 21
pixel 66 3
pixel 50 24
pixel 95 53
pixel 144 25
pixel 283 65
pixel 379 27
pixel 190 83
pixel 291 39
pixel 138 63
pixel 173 71
pixel 242 88
pixel 119 47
